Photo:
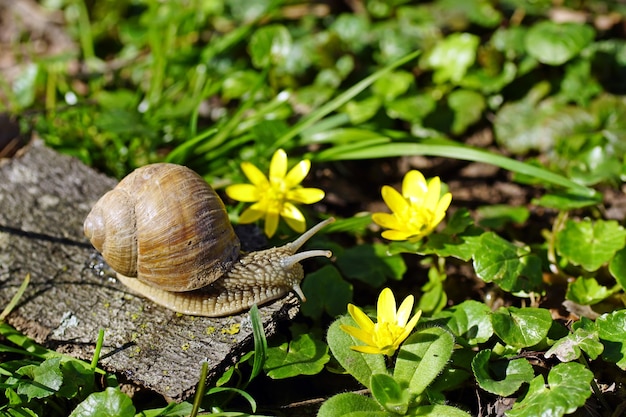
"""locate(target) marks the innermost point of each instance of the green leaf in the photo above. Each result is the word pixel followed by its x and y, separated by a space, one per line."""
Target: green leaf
pixel 617 267
pixel 110 403
pixel 422 357
pixel 270 44
pixel 371 264
pixel 587 291
pixel 508 375
pixel 570 347
pixel 452 56
pixel 304 355
pixel 438 411
pixel 468 107
pixel 511 267
pixel 393 85
pixel 362 110
pixel 434 297
pixel 389 394
pixel 25 85
pixel 602 240
pixel 556 43
pixel 567 389
pixel 45 379
pixel 567 200
pixel 360 365
pixel 612 335
pixel 78 379
pixel 496 216
pixel 521 327
pixel 470 320
pixel 350 404
pixel 326 291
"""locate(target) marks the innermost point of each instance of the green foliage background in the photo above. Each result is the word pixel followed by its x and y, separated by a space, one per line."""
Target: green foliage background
pixel 211 83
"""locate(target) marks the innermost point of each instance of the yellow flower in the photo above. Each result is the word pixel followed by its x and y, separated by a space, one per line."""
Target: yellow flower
pixel 416 212
pixel 273 197
pixel 391 328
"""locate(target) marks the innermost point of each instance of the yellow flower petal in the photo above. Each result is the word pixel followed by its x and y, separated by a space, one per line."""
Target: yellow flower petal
pixel 243 192
pixel 278 166
pixel 386 220
pixel 297 173
pixel 361 319
pixel 252 213
pixel 386 307
pixel 431 198
pixel 305 195
pixel 391 329
pixel 414 185
pixel 271 223
pixel 254 174
pixel 405 310
pixel 368 349
pixel 357 333
pixel 293 217
pixel 394 200
pixel 396 235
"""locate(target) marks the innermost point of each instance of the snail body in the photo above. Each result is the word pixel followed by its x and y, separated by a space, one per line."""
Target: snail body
pixel 167 235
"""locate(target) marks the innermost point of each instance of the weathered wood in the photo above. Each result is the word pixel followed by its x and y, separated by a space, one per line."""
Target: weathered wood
pixel 44 198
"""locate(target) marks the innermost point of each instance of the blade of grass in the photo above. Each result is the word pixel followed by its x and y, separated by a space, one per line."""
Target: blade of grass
pixel 435 148
pixel 260 342
pixel 96 353
pixel 197 399
pixel 15 299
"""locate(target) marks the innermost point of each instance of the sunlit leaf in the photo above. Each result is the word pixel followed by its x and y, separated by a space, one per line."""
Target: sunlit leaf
pixel 602 239
pixel 109 403
pixel 587 291
pixel 521 327
pixel 570 347
pixel 567 389
pixel 555 43
pixel 611 331
pixel 513 268
pixel 501 377
pixel 304 355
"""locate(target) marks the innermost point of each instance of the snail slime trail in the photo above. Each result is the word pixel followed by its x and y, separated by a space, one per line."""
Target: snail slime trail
pixel 166 233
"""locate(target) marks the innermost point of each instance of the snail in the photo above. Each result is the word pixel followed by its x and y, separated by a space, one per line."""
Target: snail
pixel 167 235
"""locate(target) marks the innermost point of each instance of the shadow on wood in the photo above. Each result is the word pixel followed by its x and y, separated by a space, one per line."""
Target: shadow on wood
pixel 44 198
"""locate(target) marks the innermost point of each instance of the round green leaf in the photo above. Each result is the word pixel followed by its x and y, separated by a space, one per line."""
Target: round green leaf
pixel 270 44
pixel 470 320
pixel 452 57
pixel 513 268
pixel 567 390
pixel 351 404
pixel 521 327
pixel 510 374
pixel 111 402
pixel 590 244
pixel 612 332
pixel 556 43
pixel 304 355
pixel 617 267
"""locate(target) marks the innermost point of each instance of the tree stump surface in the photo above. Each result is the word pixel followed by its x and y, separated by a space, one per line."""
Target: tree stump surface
pixel 44 198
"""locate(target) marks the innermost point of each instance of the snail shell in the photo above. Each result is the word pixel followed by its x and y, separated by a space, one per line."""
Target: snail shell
pixel 166 233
